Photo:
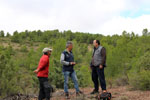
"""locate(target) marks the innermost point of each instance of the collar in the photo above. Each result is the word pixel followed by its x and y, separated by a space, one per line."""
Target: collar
pixel 67 51
pixel 46 56
pixel 96 48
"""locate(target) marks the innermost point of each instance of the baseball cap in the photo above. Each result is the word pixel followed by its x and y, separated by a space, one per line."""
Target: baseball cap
pixel 46 50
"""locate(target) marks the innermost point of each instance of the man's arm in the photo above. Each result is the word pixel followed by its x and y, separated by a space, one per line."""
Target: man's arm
pixel 62 60
pixel 92 58
pixel 103 53
pixel 42 64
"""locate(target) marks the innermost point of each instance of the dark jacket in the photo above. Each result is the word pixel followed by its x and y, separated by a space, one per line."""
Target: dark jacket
pixel 66 58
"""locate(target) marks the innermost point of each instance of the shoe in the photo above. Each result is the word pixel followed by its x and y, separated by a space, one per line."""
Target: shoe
pixel 104 91
pixel 79 92
pixel 94 91
pixel 67 95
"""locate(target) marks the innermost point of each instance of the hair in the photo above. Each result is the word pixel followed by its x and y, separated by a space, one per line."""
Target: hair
pixel 45 53
pixel 97 41
pixel 68 44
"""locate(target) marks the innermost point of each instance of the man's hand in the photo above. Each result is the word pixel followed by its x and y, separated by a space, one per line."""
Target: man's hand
pixel 72 63
pixel 36 71
pixel 100 66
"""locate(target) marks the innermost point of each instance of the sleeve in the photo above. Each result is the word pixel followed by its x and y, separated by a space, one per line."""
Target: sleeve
pixel 91 64
pixel 62 60
pixel 103 53
pixel 91 59
pixel 43 62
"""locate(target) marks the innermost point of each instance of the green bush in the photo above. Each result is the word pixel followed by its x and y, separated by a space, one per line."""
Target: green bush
pixel 139 76
pixel 84 76
pixel 140 80
pixel 23 49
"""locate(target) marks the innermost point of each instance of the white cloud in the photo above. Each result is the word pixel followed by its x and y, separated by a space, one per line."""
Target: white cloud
pixel 94 16
pixel 118 24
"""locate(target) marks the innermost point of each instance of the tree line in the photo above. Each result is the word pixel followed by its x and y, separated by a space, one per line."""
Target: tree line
pixel 128 59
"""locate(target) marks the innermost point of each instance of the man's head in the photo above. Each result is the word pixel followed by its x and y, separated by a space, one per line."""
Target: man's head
pixel 47 51
pixel 69 45
pixel 96 43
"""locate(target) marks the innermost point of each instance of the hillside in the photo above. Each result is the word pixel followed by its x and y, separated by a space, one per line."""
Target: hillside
pixel 128 61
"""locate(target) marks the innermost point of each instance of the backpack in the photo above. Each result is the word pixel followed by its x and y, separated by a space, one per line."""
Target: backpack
pixel 105 96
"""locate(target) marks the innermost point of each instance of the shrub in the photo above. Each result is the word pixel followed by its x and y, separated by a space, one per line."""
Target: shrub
pixel 23 49
pixel 139 76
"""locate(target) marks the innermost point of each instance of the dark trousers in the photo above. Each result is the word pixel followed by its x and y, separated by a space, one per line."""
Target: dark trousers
pixel 44 88
pixel 98 73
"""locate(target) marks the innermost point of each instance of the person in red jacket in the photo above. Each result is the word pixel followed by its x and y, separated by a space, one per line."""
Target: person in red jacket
pixel 42 74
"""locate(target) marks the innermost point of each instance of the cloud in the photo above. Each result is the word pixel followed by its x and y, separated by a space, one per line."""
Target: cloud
pixel 94 16
pixel 117 24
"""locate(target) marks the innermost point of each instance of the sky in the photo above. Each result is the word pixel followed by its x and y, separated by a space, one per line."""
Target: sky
pixel 107 17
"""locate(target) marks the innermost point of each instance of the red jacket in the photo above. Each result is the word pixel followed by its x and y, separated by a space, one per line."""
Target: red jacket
pixel 43 66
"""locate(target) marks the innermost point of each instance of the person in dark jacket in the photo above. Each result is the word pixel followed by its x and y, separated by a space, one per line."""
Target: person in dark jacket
pixel 42 74
pixel 67 60
pixel 98 63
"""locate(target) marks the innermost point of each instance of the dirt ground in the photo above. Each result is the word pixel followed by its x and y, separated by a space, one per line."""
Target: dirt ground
pixel 118 93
